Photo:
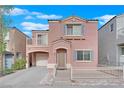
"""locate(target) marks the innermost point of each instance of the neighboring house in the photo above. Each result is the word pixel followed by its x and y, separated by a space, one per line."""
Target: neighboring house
pixel 15 47
pixel 69 42
pixel 111 42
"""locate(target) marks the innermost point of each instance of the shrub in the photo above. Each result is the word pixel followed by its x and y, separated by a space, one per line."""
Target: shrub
pixel 19 64
pixel 7 71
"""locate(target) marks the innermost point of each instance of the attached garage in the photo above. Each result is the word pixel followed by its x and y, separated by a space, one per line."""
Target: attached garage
pixel 41 59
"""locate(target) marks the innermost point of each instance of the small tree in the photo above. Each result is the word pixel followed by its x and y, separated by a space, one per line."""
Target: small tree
pixel 5 22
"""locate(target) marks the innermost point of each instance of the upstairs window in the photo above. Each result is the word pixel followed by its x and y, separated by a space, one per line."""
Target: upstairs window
pixel 112 27
pixel 42 39
pixel 73 29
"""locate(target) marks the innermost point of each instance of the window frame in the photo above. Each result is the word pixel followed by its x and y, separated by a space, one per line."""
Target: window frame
pixel 65 29
pixel 91 55
pixel 121 51
pixel 41 39
pixel 112 27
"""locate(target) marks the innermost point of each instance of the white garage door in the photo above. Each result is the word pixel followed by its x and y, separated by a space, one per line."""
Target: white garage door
pixel 41 59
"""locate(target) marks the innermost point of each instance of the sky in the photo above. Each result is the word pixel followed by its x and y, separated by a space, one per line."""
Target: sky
pixel 35 17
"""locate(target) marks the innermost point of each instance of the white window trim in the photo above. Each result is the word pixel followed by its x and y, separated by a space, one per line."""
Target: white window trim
pixel 84 61
pixel 74 35
pixel 37 39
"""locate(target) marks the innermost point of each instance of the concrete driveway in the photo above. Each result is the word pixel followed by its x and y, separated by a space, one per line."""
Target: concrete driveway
pixel 25 78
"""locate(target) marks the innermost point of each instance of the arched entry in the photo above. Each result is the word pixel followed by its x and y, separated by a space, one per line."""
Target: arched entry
pixel 38 58
pixel 61 58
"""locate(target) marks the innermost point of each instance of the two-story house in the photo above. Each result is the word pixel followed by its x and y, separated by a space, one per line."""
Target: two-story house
pixel 15 47
pixel 111 42
pixel 69 42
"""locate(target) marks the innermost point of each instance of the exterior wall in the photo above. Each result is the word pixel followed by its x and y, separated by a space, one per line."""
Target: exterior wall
pixel 120 37
pixel 32 48
pixel 58 40
pixel 90 42
pixel 20 47
pixel 9 41
pixel 107 44
pixel 120 29
pixel 110 42
pixel 53 52
pixel 16 43
pixel 34 36
pixel 31 44
pixel 89 38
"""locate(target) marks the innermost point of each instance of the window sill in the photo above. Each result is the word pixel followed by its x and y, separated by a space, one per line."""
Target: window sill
pixel 74 37
pixel 41 45
pixel 83 61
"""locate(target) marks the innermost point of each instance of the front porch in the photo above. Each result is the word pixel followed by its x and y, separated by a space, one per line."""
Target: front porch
pixel 60 54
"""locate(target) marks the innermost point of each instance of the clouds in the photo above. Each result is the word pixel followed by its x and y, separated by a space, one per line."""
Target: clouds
pixel 34 26
pixel 40 15
pixel 36 13
pixel 103 19
pixel 33 14
pixel 53 16
pixel 18 11
pixel 28 26
pixel 29 17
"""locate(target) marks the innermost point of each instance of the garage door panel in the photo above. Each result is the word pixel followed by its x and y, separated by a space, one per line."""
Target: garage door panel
pixel 41 59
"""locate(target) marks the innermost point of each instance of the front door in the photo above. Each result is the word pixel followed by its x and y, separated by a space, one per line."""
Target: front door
pixel 61 59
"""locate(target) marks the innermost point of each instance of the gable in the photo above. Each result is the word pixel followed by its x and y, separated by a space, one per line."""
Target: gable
pixel 74 19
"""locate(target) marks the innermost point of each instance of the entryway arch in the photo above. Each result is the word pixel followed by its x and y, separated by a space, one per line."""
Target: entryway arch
pixel 61 58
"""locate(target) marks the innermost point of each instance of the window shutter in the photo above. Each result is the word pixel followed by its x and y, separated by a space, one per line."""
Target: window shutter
pixel 74 55
pixel 91 55
pixel 65 29
pixel 82 29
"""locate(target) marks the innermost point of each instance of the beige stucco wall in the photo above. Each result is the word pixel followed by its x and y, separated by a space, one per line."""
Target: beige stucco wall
pixel 88 41
pixel 16 42
pixel 57 40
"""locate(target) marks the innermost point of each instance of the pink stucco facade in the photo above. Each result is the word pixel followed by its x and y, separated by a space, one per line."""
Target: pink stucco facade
pixel 63 47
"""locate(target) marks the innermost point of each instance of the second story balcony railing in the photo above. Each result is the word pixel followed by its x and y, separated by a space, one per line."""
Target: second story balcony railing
pixel 36 42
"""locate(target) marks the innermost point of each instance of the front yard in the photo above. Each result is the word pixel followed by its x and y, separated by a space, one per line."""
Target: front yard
pixel 35 78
